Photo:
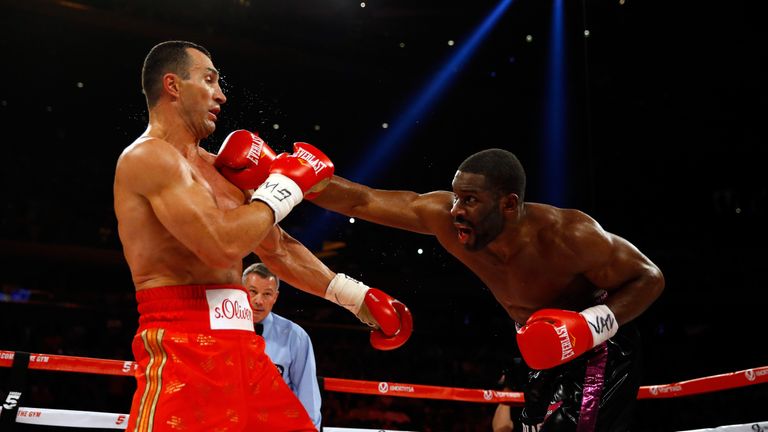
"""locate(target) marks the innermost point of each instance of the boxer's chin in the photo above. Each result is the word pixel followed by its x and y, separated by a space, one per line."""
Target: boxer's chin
pixel 210 128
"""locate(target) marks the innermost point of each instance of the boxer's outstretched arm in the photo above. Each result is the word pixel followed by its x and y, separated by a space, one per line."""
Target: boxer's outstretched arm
pixel 292 262
pixel 405 210
pixel 157 172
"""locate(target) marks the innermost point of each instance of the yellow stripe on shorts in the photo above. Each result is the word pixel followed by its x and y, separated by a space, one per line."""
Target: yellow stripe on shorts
pixel 153 339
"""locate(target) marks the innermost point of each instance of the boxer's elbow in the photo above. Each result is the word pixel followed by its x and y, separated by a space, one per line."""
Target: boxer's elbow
pixel 655 282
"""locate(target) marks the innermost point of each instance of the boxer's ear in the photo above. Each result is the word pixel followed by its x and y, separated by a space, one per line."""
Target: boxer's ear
pixel 509 202
pixel 171 83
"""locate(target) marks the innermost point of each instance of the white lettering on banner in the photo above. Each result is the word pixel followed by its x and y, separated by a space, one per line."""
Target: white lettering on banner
pixel 752 374
pixel 6 356
pixel 402 388
pixel 565 342
pixel 314 162
pixel 655 390
pixel 12 400
pixel 229 309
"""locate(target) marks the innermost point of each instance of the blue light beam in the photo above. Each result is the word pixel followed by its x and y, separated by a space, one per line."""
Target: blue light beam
pixel 555 138
pixel 384 149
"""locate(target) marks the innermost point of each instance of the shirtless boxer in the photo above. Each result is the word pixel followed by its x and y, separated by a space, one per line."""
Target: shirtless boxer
pixel 568 283
pixel 185 230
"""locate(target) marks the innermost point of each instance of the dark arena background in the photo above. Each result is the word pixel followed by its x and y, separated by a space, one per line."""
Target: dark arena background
pixel 648 115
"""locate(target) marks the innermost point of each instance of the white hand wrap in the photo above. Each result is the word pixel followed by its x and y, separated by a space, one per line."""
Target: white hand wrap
pixel 602 323
pixel 346 292
pixel 280 193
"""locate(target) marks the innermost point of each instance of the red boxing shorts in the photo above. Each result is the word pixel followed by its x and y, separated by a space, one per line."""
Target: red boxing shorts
pixel 202 367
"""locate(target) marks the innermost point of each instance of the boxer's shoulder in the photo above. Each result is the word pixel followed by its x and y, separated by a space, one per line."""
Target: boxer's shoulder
pixel 150 151
pixel 150 163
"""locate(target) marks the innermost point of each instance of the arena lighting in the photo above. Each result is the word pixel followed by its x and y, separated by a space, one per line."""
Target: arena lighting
pixel 384 149
pixel 554 124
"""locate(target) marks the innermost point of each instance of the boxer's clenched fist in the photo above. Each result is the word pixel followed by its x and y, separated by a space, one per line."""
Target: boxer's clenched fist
pixel 305 172
pixel 391 319
pixel 244 159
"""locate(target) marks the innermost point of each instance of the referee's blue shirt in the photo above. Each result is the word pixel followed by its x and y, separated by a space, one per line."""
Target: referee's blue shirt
pixel 290 349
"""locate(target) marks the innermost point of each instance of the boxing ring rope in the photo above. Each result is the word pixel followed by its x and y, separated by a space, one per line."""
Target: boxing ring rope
pixel 51 362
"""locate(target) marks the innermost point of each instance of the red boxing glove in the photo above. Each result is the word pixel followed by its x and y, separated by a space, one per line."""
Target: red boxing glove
pixel 394 319
pixel 310 168
pixel 292 176
pixel 391 319
pixel 244 159
pixel 552 337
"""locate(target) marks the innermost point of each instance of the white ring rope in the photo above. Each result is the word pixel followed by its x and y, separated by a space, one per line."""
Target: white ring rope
pixel 102 420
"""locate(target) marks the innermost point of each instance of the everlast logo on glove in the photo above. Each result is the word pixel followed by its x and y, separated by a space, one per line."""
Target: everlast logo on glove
pixel 314 162
pixel 229 309
pixel 565 342
pixel 254 153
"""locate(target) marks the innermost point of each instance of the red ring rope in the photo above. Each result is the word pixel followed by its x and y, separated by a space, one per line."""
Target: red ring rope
pixel 708 384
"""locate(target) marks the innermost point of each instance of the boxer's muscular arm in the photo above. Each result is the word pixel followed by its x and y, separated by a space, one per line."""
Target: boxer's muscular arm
pixel 292 262
pixel 188 211
pixel 421 213
pixel 612 263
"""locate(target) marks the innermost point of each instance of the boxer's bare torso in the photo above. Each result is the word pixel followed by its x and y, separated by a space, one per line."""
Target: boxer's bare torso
pixel 529 267
pixel 155 256
pixel 531 256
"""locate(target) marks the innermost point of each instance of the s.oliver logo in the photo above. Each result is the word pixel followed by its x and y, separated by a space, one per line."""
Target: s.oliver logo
pixel 229 309
pixel 233 310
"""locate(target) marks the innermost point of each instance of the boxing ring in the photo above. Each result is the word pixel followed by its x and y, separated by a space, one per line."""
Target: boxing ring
pixel 21 362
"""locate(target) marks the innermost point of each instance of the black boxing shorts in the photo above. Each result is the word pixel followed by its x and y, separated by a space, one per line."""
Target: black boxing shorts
pixel 595 392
